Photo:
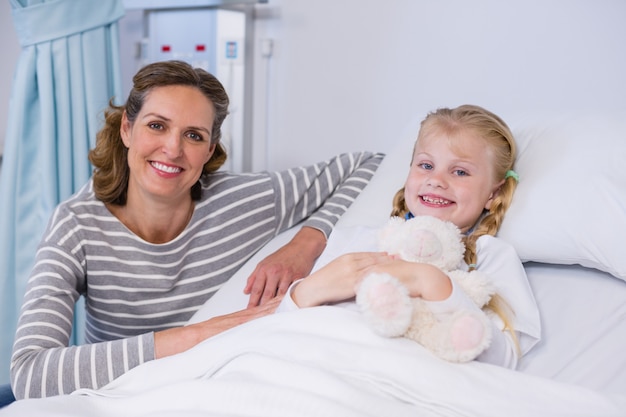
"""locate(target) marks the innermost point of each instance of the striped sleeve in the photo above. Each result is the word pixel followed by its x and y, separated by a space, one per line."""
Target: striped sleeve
pixel 322 193
pixel 43 364
pixel 62 370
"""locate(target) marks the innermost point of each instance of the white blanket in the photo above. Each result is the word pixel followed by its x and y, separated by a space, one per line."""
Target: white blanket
pixel 320 361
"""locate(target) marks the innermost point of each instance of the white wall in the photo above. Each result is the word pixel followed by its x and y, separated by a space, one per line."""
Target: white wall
pixel 10 51
pixel 350 74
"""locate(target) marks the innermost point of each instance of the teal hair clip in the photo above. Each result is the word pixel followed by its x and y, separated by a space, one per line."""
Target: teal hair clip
pixel 511 173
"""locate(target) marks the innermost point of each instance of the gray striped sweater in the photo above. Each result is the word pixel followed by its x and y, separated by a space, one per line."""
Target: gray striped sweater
pixel 133 288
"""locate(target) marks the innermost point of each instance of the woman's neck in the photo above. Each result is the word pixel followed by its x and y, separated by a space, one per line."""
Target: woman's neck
pixel 155 222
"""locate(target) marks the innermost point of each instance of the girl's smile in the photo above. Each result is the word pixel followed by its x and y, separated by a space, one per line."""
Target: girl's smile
pixel 451 178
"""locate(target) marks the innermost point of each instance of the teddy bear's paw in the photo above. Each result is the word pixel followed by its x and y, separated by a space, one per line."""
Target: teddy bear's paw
pixel 470 335
pixel 385 304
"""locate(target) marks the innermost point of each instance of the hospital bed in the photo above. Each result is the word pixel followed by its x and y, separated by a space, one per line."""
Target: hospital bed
pixel 567 223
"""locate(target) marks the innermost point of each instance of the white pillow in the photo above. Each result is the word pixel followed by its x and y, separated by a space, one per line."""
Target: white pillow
pixel 570 204
pixel 373 206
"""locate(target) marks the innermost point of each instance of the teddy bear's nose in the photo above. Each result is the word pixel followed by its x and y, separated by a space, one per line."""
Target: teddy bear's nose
pixel 426 245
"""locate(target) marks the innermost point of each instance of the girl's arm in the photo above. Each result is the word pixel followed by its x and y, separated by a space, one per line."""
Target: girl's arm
pixel 338 280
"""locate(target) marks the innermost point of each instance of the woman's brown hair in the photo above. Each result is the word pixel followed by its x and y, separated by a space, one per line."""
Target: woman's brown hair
pixel 110 156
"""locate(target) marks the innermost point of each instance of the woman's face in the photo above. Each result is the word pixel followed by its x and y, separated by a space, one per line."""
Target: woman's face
pixel 169 143
pixel 451 178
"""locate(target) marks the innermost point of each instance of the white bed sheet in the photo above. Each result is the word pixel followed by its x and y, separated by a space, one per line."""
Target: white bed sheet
pixel 321 361
pixel 583 313
pixel 582 310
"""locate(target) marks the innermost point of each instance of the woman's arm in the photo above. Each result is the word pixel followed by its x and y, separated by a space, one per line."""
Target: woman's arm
pixel 275 273
pixel 319 195
pixel 43 362
pixel 179 339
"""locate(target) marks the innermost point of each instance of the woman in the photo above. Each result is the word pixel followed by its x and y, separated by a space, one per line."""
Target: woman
pixel 158 230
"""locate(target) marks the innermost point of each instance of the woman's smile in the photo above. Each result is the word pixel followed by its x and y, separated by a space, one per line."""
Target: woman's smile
pixel 165 168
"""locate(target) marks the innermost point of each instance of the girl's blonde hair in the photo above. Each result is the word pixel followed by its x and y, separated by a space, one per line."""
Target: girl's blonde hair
pixel 498 136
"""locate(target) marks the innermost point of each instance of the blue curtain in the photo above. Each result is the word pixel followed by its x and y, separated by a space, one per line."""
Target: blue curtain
pixel 67 72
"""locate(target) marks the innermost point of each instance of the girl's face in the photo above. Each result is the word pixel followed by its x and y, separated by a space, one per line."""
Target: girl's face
pixel 451 178
pixel 169 143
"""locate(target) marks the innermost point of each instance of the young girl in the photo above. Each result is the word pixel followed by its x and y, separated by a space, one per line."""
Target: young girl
pixel 461 171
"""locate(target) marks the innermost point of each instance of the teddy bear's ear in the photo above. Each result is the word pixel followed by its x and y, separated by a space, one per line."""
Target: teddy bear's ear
pixel 395 221
pixel 452 239
pixel 388 240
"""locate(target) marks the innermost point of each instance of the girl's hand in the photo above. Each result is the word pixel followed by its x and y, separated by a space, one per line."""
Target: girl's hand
pixel 422 280
pixel 338 279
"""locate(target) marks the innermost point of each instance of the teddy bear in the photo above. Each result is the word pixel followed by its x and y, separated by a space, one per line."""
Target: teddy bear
pixel 390 311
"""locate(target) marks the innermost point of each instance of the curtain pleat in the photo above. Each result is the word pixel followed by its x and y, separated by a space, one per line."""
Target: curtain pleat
pixel 67 72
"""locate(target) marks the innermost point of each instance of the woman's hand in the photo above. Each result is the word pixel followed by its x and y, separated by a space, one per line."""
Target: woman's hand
pixel 338 279
pixel 274 274
pixel 176 340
